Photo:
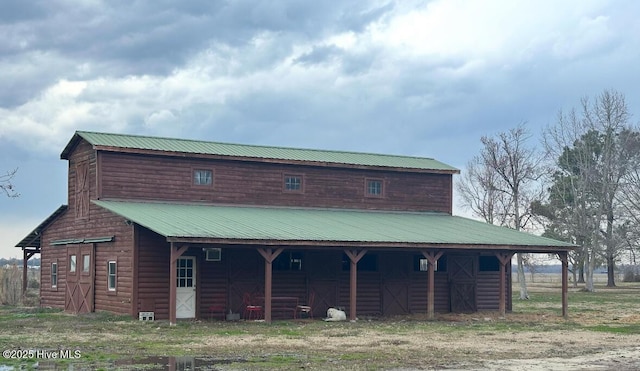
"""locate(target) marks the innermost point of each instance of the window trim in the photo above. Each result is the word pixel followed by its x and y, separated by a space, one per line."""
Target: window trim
pixel 193 177
pixel 440 266
pixel 114 274
pixel 212 254
pixel 88 267
pixel 293 175
pixel 73 268
pixel 373 195
pixel 52 275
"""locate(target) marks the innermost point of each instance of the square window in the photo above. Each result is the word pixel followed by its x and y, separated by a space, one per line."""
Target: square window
pixel 374 188
pixel 54 274
pixel 112 271
pixel 368 263
pixel 489 264
pixel 288 261
pixel 293 183
pixel 213 254
pixel 203 177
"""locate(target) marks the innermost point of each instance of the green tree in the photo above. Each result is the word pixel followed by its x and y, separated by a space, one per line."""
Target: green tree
pixel 594 151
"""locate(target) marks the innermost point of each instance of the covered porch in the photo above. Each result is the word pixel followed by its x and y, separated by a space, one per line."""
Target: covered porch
pixel 367 262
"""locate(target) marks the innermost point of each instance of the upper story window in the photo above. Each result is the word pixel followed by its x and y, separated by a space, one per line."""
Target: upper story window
pixel 292 183
pixel 374 188
pixel 202 177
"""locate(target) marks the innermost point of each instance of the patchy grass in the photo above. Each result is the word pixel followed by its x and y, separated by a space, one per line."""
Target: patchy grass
pixel 599 322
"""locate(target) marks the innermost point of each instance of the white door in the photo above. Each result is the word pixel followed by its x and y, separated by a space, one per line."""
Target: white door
pixel 186 287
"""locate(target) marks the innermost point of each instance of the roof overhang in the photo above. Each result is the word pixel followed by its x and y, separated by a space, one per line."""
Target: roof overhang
pixel 33 239
pixel 313 228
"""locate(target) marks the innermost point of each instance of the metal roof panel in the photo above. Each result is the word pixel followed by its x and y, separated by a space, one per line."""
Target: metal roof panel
pixel 257 152
pixel 313 225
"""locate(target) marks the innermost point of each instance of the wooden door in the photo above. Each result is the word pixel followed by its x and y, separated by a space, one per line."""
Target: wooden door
pixel 462 283
pixel 79 296
pixel 395 298
pixel 186 287
pixel 394 268
pixel 326 296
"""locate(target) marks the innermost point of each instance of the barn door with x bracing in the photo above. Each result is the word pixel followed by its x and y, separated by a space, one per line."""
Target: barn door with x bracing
pixel 462 283
pixel 79 296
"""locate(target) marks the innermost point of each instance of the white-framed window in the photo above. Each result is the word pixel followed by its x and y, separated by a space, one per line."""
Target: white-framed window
pixel 202 177
pixel 213 254
pixel 72 264
pixel 292 183
pixel 374 188
pixel 421 264
pixel 86 263
pixel 112 275
pixel 54 274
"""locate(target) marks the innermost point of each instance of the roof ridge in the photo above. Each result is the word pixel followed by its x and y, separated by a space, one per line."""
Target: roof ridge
pixel 80 132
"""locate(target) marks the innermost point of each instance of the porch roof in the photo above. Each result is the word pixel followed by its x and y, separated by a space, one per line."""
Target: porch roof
pixel 324 227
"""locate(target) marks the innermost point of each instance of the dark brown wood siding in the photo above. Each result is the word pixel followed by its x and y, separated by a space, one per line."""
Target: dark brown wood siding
pixel 418 298
pixel 213 285
pixel 153 274
pixel 89 221
pixel 155 178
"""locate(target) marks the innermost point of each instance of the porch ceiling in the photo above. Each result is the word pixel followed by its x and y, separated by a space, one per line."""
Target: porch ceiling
pixel 307 226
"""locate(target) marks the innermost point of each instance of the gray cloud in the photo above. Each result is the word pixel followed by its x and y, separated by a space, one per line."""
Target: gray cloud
pixel 412 77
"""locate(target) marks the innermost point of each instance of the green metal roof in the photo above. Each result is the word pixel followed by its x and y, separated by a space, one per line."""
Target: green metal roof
pixel 324 226
pixel 33 239
pixel 255 152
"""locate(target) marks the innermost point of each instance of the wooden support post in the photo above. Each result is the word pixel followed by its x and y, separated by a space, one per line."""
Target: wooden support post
pixel 269 256
pixel 564 258
pixel 176 252
pixel 354 257
pixel 432 258
pixel 26 255
pixel 504 259
pixel 24 271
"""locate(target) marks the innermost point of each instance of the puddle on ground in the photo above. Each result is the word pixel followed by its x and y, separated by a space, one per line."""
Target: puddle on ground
pixel 146 363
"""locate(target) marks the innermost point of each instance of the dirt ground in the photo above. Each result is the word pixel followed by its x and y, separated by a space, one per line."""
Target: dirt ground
pixel 490 349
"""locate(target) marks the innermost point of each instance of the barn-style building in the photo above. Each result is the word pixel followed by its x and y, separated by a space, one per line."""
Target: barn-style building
pixel 189 229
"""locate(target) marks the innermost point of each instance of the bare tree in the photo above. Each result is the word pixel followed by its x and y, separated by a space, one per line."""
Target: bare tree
pixel 593 152
pixel 479 189
pixel 500 184
pixel 5 183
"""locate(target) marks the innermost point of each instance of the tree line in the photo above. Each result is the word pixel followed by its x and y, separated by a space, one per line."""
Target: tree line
pixel 33 262
pixel 580 184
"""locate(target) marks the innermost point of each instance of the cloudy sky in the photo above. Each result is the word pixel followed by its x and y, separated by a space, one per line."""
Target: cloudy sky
pixel 420 78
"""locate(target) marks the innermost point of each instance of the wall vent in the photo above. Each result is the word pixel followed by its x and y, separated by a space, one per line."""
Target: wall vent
pixel 213 254
pixel 146 316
